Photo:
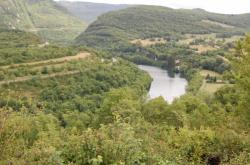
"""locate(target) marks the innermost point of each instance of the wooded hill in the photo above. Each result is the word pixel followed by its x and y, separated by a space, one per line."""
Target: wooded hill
pixel 152 21
pixel 43 17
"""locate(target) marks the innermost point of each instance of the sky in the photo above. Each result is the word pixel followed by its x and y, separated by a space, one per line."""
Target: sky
pixel 218 6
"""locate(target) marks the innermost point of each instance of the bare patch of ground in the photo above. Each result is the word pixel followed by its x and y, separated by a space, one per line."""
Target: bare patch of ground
pixel 218 24
pixel 202 48
pixel 204 73
pixel 149 41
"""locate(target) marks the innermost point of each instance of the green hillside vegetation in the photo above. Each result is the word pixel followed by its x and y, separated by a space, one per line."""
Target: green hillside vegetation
pixel 149 21
pixel 17 38
pixel 100 115
pixel 22 47
pixel 194 38
pixel 42 17
pixel 74 105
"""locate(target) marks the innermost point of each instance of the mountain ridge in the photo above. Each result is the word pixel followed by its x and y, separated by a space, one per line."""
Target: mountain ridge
pixel 153 21
pixel 89 11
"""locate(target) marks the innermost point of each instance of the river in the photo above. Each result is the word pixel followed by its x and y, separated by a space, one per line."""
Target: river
pixel 164 85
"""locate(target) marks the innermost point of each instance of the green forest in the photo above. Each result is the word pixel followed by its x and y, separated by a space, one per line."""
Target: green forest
pixel 86 102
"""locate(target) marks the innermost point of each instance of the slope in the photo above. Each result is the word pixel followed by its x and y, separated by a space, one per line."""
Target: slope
pixel 16 39
pixel 42 17
pixel 152 21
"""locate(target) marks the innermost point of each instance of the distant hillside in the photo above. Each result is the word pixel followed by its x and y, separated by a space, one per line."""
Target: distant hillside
pixel 150 21
pixel 15 39
pixel 88 11
pixel 21 47
pixel 42 17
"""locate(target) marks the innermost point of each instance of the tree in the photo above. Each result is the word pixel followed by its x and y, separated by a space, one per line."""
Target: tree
pixel 157 111
pixel 242 74
pixel 122 102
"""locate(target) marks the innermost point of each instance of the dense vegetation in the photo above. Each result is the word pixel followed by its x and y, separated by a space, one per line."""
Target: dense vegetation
pixel 115 31
pixel 43 17
pixel 148 22
pixel 20 47
pixel 95 110
pixel 80 119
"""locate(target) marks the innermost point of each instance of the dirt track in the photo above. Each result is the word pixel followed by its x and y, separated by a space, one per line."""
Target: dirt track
pixel 27 78
pixel 81 55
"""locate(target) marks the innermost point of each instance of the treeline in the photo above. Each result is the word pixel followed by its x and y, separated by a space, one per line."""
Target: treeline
pixel 141 22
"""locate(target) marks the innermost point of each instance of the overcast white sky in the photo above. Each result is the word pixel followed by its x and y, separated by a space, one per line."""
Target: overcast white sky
pixel 219 6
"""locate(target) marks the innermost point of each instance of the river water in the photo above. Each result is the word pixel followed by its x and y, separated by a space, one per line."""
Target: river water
pixel 164 85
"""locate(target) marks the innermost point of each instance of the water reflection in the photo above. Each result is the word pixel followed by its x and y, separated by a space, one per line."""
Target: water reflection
pixel 164 85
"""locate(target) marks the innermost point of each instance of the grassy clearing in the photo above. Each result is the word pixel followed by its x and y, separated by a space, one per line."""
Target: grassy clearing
pixel 218 24
pixel 202 48
pixel 204 73
pixel 211 87
pixel 149 41
pixel 207 39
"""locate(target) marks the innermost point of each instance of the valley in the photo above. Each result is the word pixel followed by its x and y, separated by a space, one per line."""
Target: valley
pixel 98 84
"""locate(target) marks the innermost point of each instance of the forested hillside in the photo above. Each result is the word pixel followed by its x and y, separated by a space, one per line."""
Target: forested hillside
pixel 161 36
pixel 88 12
pixel 87 103
pixel 42 17
pixel 150 22
pixel 21 47
pixel 94 110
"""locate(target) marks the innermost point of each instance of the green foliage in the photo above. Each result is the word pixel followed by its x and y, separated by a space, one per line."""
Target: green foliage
pixel 22 47
pixel 241 69
pixel 122 103
pixel 16 38
pixel 157 111
pixel 28 139
pixel 195 82
pixel 9 56
pixel 150 21
pixel 99 114
pixel 114 32
pixel 44 18
pixel 111 144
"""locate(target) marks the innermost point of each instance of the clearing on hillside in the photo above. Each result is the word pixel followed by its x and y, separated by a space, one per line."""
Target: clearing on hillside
pixel 218 24
pixel 202 48
pixel 211 87
pixel 149 41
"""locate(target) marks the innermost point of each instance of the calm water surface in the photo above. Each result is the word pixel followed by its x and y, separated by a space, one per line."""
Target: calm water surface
pixel 164 85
